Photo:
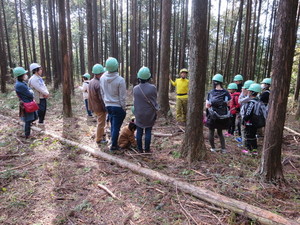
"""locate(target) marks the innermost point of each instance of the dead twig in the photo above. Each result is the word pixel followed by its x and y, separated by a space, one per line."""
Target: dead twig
pixel 186 212
pixel 108 191
pixel 291 130
pixel 207 206
pixel 292 165
pixel 207 210
pixel 198 173
pixel 11 155
pixel 18 167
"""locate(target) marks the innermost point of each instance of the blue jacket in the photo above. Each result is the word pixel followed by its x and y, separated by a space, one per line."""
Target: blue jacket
pixel 23 91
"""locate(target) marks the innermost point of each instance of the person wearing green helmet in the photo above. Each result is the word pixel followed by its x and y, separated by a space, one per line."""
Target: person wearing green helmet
pixel 96 103
pixel 84 88
pixel 248 119
pixel 145 108
pixel 243 99
pixel 25 94
pixel 113 90
pixel 265 85
pixel 238 79
pixel 41 93
pixel 182 89
pixel 217 112
pixel 234 107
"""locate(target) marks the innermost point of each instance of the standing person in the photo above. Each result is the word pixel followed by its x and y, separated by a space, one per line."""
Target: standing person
pixel 113 89
pixel 182 89
pixel 145 107
pixel 248 122
pixel 238 79
pixel 85 94
pixel 243 99
pixel 265 86
pixel 41 92
pixel 25 94
pixel 217 112
pixel 234 108
pixel 96 103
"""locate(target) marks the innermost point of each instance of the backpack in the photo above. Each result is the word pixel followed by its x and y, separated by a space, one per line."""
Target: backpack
pixel 219 108
pixel 260 113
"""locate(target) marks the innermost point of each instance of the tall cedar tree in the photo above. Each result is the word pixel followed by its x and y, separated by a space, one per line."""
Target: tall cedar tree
pixel 285 37
pixel 163 92
pixel 3 62
pixel 133 42
pixel 89 24
pixel 193 147
pixel 41 36
pixel 67 110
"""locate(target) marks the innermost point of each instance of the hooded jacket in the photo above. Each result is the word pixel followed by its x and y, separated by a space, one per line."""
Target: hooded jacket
pixel 113 89
pixel 95 99
pixel 234 103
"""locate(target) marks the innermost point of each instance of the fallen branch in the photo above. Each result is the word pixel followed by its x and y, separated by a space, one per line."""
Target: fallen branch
pixel 242 208
pixel 165 135
pixel 108 191
pixel 12 155
pixel 291 130
pixel 18 167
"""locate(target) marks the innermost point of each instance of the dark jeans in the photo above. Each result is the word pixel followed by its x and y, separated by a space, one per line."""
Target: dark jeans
pixel 250 136
pixel 116 116
pixel 211 138
pixel 232 124
pixel 42 110
pixel 139 137
pixel 27 126
pixel 87 107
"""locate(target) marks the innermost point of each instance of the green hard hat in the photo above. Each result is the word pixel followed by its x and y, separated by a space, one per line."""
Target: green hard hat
pixel 88 76
pixel 247 84
pixel 238 77
pixel 144 73
pixel 19 71
pixel 132 109
pixel 232 86
pixel 111 64
pixel 218 77
pixel 255 87
pixel 266 81
pixel 97 69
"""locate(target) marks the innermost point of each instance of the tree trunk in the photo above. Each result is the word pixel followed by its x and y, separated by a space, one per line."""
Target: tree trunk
pixel 163 97
pixel 285 37
pixel 297 88
pixel 6 34
pixel 89 24
pixel 193 147
pixel 70 46
pixel 3 60
pixel 236 64
pixel 217 41
pixel 67 110
pixel 41 38
pixel 95 31
pixel 47 48
pixel 133 42
pixel 23 37
pixel 246 40
pixel 255 57
pixel 18 34
pixel 184 36
pixel 81 44
pixel 32 32
pixel 127 45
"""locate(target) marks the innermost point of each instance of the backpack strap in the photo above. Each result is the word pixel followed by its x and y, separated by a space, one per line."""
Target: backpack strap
pixel 147 99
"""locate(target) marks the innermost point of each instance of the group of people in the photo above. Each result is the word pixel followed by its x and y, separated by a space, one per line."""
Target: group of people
pixel 34 90
pixel 235 109
pixel 241 109
pixel 105 97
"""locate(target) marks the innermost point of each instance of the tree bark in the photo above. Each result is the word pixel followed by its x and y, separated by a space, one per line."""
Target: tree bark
pixel 217 41
pixel 3 60
pixel 47 48
pixel 41 37
pixel 285 37
pixel 163 97
pixel 246 40
pixel 90 33
pixel 18 34
pixel 95 31
pixel 81 44
pixel 133 42
pixel 236 64
pixel 6 34
pixel 70 45
pixel 67 110
pixel 193 147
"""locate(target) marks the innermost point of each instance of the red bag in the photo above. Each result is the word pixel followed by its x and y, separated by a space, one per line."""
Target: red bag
pixel 30 106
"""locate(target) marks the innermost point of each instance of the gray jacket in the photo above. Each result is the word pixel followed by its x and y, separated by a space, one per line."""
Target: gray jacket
pixel 144 111
pixel 113 89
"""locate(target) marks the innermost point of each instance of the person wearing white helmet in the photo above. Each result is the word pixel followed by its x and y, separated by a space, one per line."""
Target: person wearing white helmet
pixel 41 92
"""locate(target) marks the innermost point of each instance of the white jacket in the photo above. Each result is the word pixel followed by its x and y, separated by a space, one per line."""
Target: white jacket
pixel 38 86
pixel 84 89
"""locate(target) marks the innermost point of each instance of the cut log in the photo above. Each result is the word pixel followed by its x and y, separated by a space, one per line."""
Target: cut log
pixel 242 208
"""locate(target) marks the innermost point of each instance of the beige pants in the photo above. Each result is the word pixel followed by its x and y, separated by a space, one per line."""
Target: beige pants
pixel 101 118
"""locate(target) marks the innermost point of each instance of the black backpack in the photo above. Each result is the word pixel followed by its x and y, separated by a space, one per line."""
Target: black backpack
pixel 219 108
pixel 260 113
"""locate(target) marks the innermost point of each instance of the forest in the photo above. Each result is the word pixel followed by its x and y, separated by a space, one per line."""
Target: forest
pixel 61 176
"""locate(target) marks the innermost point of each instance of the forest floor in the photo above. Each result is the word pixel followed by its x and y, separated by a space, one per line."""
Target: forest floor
pixel 43 181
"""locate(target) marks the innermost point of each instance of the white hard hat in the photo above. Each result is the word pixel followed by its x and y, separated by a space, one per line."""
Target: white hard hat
pixel 34 66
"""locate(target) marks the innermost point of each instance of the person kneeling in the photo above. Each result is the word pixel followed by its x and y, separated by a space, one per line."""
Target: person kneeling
pixel 126 137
